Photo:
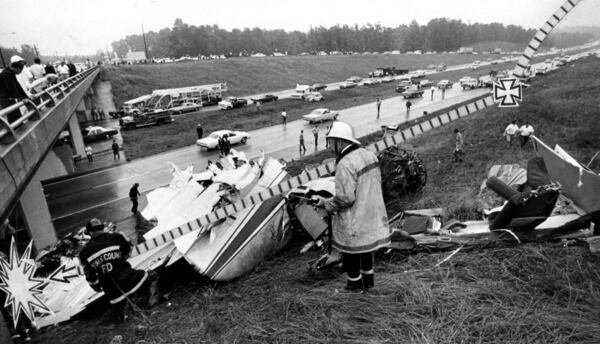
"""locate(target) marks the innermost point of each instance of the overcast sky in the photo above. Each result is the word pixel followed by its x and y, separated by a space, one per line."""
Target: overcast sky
pixel 83 26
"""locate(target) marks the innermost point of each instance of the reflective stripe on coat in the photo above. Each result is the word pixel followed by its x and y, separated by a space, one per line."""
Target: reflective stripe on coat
pixel 359 219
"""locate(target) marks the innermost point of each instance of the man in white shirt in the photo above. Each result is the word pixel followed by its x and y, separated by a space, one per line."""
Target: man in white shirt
pixel 63 71
pixel 510 132
pixel 526 131
pixel 37 69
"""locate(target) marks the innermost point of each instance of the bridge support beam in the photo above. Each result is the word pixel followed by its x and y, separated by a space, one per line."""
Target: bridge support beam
pixel 75 130
pixel 33 202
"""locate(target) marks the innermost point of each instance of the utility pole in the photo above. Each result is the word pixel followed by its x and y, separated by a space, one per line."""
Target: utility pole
pixel 145 46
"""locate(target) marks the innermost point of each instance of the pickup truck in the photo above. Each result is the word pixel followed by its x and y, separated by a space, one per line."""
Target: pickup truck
pixel 403 86
pixel 425 84
pixel 232 103
pixel 136 120
pixel 412 92
pixel 469 83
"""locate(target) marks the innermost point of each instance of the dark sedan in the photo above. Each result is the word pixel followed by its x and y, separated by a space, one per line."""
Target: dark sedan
pixel 264 99
pixel 98 133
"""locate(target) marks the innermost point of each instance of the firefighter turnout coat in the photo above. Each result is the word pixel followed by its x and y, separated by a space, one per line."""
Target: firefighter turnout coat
pixel 359 217
pixel 106 268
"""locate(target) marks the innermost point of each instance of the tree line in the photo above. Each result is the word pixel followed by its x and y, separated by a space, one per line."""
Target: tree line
pixel 441 34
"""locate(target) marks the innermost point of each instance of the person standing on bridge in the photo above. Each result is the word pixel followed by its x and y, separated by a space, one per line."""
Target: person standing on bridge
pixel 115 148
pixel 432 91
pixel 199 131
pixel 284 118
pixel 133 196
pixel 11 90
pixel 359 220
pixel 378 102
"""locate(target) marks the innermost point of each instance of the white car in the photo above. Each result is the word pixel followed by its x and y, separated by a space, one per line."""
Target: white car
pixel 475 64
pixel 320 115
pixel 185 107
pixel 387 79
pixel 212 140
pixel 371 81
pixel 313 97
pixel 444 84
pixel 298 95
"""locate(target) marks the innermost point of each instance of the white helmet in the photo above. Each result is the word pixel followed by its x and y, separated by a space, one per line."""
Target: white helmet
pixel 342 130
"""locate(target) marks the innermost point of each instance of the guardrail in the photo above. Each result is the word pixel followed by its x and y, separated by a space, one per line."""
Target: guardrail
pixel 36 105
pixel 31 133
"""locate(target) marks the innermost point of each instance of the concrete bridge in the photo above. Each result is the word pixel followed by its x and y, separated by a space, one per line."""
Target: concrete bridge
pixel 29 131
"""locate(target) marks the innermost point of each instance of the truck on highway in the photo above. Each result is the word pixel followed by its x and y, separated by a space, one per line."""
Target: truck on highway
pixel 167 98
pixel 144 119
pixel 412 92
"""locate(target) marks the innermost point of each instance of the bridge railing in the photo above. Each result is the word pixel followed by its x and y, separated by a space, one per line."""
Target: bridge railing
pixel 33 109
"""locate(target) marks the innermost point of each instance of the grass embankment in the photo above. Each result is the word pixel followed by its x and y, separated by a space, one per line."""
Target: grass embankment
pixel 153 140
pixel 535 293
pixel 248 76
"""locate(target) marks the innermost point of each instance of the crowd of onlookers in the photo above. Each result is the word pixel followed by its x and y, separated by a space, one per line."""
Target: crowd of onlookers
pixel 19 81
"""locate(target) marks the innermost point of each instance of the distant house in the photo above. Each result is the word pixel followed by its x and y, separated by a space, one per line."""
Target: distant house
pixel 135 56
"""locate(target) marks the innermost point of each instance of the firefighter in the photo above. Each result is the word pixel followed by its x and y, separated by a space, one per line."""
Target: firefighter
pixel 359 220
pixel 106 268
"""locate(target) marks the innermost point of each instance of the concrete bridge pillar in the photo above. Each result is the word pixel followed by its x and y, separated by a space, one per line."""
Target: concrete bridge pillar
pixel 76 136
pixel 36 214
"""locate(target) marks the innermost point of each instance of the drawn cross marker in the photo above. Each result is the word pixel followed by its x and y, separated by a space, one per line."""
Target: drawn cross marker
pixel 508 91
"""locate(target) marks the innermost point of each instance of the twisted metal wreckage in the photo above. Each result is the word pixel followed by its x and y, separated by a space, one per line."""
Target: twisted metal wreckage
pixel 233 246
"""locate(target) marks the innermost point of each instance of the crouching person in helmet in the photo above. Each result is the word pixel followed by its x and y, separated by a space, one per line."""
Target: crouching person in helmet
pixel 359 218
pixel 106 268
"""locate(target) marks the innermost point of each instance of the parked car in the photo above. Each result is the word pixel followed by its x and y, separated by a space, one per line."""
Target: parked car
pixel 320 115
pixel 348 84
pixel 440 68
pixel 355 79
pixel 469 83
pixel 387 79
pixel 212 140
pixel 185 107
pixel 313 97
pixel 412 92
pixel 98 133
pixel 232 103
pixel 403 85
pixel 419 73
pixel 371 81
pixel 475 64
pixel 425 84
pixel 444 84
pixel 318 87
pixel 265 98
